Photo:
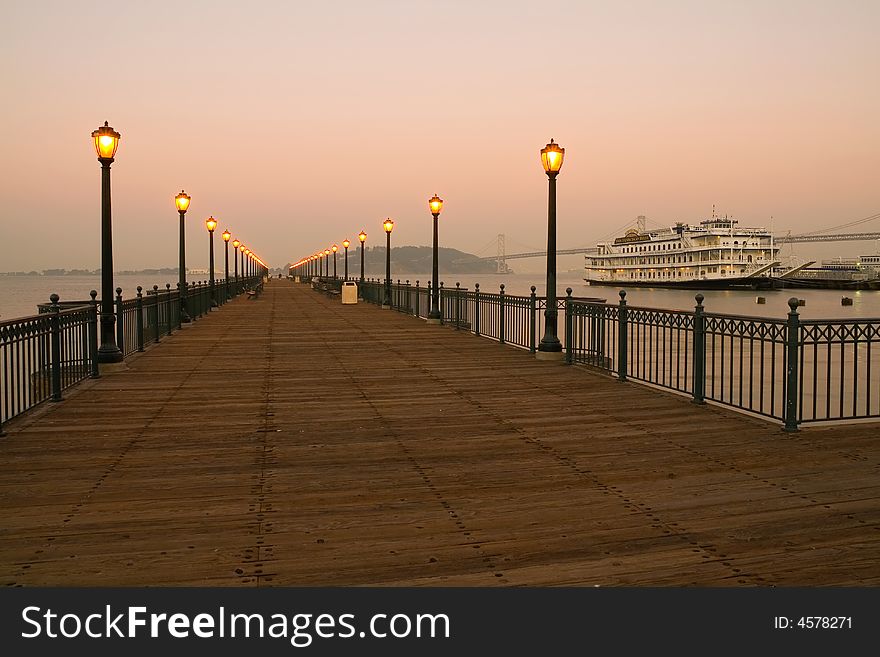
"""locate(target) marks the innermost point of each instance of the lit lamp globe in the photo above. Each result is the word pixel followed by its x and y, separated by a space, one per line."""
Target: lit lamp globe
pixel 436 204
pixel 210 224
pixel 226 235
pixel 362 236
pixel 334 248
pixel 388 225
pixel 551 158
pixel 236 244
pixel 106 142
pixel 345 244
pixel 182 202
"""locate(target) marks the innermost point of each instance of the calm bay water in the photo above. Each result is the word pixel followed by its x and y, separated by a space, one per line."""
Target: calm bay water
pixel 20 294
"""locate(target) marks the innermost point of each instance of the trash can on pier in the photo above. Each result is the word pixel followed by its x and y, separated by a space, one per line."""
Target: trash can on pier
pixel 349 292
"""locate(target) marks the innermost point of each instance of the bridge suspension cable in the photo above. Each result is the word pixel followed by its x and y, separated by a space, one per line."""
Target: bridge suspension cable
pixel 849 224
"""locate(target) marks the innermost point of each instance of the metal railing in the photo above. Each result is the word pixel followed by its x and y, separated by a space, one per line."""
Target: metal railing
pixel 43 355
pixel 791 370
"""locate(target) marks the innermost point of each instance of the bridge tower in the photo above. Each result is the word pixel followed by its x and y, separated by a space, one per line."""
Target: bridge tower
pixel 501 257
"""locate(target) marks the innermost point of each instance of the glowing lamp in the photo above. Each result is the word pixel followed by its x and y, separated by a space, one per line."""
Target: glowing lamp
pixel 210 224
pixel 236 244
pixel 551 157
pixel 334 248
pixel 106 141
pixel 388 225
pixel 436 204
pixel 182 201
pixel 362 237
pixel 345 244
pixel 226 235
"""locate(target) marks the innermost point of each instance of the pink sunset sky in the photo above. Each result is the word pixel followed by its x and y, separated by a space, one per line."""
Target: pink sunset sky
pixel 297 124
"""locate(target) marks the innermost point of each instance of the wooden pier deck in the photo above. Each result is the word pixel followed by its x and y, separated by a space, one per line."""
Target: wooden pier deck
pixel 291 440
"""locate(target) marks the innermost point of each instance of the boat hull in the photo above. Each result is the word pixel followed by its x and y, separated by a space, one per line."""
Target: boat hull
pixel 749 284
pixel 712 284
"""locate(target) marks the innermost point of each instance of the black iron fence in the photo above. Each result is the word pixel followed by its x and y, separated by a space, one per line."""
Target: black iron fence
pixel 790 369
pixel 43 355
pixel 787 369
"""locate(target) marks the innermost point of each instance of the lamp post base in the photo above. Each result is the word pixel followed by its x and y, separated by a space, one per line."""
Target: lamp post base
pixel 386 306
pixel 556 356
pixel 110 356
pixel 433 320
pixel 111 368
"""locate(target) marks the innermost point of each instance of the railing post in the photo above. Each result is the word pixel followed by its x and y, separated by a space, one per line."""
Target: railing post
pixel 457 306
pixel 622 330
pixel 792 345
pixel 699 356
pixel 55 324
pixel 442 314
pixel 417 299
pixel 568 326
pixel 501 314
pixel 156 310
pixel 168 305
pixel 93 335
pixel 120 329
pixel 477 309
pixel 533 318
pixel 179 314
pixel 140 319
pixel 408 298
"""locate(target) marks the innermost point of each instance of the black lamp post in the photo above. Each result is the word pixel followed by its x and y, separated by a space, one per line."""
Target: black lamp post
pixel 226 236
pixel 334 248
pixel 106 142
pixel 550 347
pixel 363 238
pixel 388 225
pixel 436 204
pixel 327 263
pixel 182 202
pixel 211 224
pixel 345 244
pixel 235 245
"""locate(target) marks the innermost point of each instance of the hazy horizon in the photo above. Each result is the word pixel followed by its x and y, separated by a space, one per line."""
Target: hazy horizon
pixel 297 125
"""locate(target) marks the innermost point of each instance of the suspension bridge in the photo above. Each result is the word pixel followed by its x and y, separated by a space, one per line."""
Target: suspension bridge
pixel 826 235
